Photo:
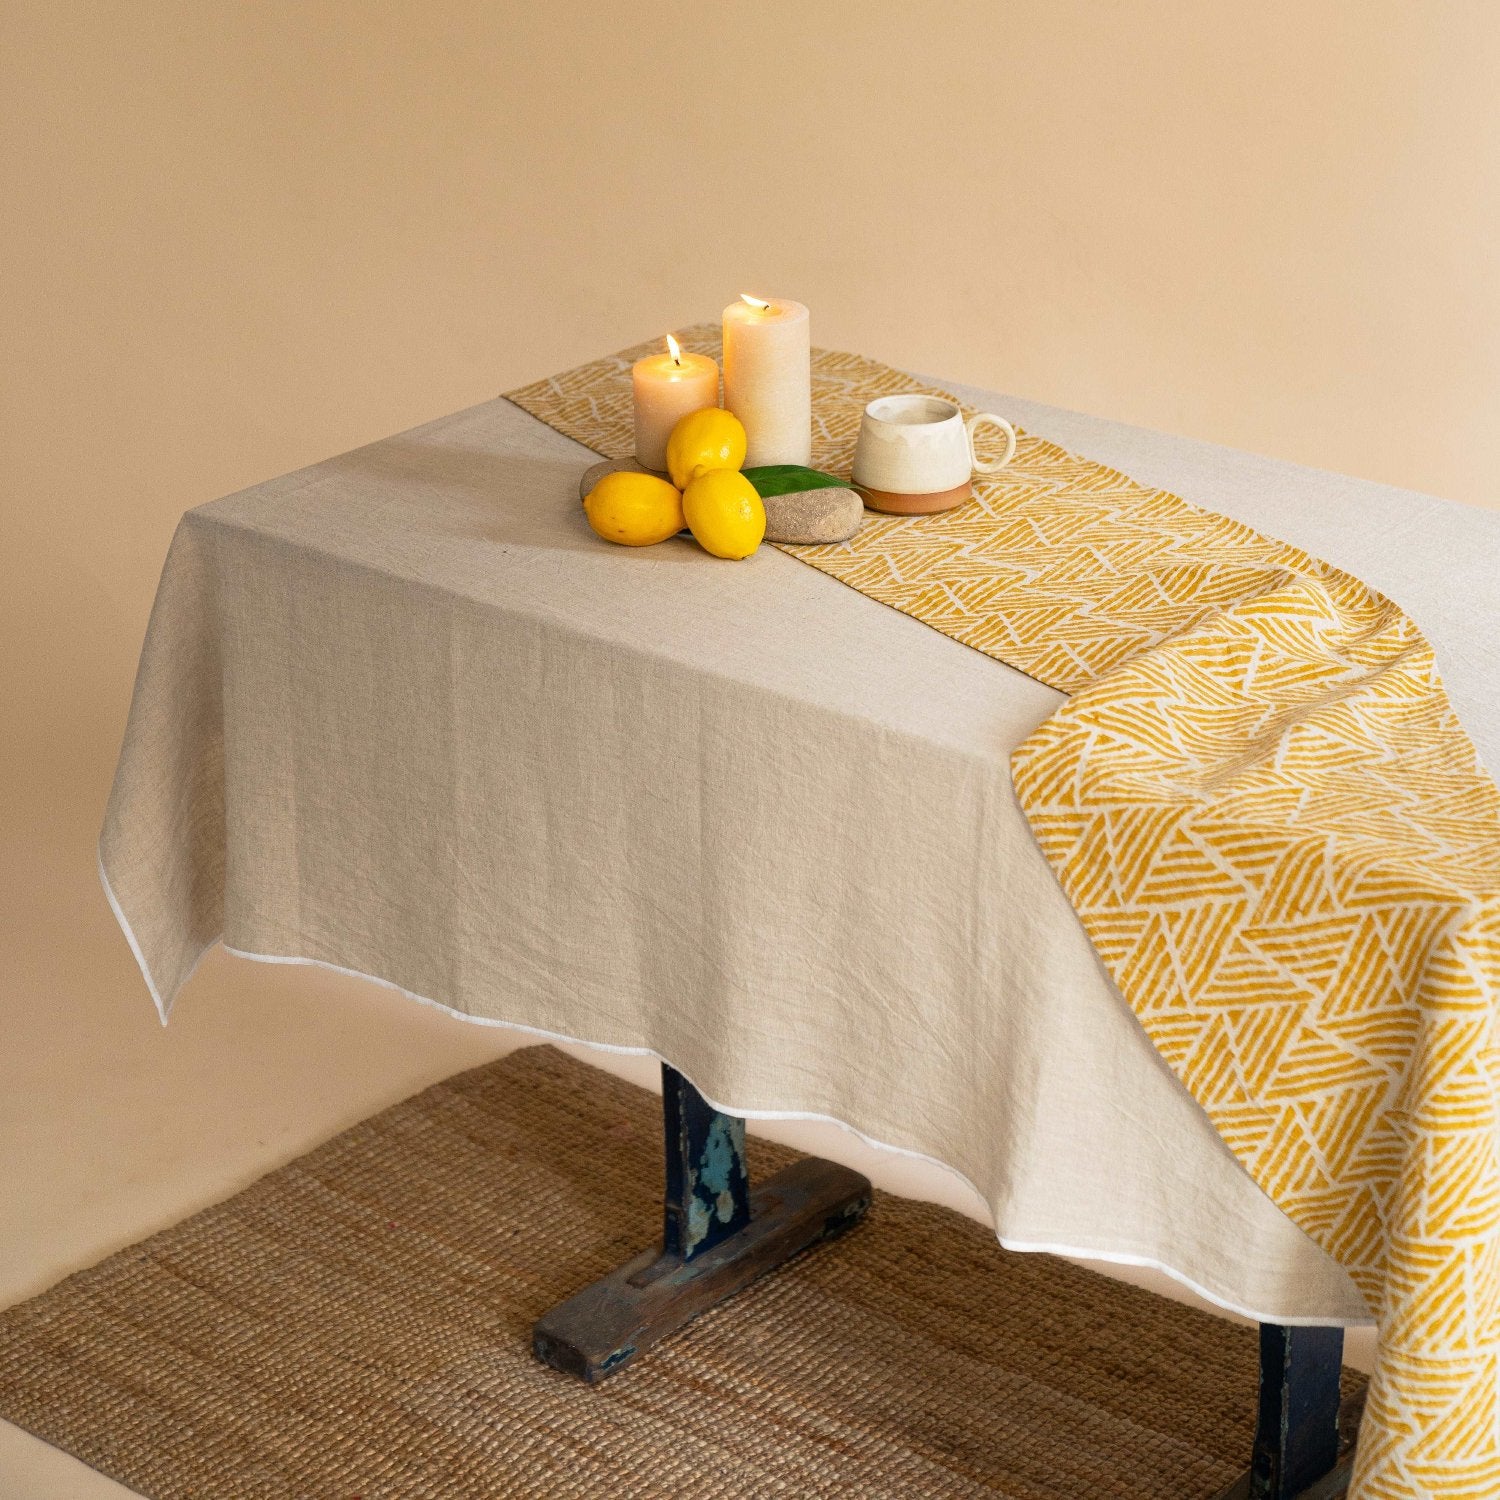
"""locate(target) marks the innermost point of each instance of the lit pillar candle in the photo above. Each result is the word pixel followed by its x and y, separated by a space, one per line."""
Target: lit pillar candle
pixel 768 378
pixel 668 386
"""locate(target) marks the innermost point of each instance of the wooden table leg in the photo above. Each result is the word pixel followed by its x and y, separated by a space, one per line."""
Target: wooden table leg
pixel 718 1235
pixel 1304 1438
pixel 708 1183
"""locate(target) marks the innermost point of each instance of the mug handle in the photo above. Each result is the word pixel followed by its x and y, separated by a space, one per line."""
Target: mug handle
pixel 990 465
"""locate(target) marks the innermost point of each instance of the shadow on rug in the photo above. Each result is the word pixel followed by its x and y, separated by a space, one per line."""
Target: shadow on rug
pixel 357 1324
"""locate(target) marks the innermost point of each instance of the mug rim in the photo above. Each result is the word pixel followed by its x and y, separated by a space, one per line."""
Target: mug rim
pixel 882 408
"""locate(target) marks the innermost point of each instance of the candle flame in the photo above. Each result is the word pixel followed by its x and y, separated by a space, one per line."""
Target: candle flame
pixel 675 348
pixel 754 302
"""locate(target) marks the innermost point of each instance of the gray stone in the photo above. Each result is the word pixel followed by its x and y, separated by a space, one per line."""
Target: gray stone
pixel 813 516
pixel 595 472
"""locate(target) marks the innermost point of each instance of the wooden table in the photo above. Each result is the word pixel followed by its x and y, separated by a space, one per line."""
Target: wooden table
pixel 403 715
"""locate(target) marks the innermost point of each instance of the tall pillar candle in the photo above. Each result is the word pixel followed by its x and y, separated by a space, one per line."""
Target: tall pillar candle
pixel 768 378
pixel 666 387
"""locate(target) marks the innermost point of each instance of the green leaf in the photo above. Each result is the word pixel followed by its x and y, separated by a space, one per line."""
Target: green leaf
pixel 786 479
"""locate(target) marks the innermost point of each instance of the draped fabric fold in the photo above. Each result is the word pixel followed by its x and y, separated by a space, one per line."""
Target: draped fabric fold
pixel 1281 844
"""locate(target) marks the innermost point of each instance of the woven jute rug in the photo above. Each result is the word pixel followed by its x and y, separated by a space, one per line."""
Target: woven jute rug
pixel 357 1324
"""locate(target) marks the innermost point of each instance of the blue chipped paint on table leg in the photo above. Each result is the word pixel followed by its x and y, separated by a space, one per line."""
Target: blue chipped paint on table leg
pixel 718 1235
pixel 1305 1433
pixel 708 1184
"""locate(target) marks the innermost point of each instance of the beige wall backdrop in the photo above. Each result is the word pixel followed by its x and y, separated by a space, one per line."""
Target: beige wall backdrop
pixel 241 237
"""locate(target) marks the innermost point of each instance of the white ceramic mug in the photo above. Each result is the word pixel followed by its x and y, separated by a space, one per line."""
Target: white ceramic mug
pixel 916 455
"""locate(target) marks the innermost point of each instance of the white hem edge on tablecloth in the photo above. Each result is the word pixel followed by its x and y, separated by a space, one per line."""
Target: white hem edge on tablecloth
pixel 1025 1247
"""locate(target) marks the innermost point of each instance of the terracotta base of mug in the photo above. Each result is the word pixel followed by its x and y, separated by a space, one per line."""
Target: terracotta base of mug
pixel 915 505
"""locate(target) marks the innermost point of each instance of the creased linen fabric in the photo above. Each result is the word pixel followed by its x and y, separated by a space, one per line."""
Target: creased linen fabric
pixel 1282 845
pixel 402 713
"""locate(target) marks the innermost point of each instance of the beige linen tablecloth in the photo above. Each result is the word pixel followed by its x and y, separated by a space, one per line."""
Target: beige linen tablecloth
pixel 403 714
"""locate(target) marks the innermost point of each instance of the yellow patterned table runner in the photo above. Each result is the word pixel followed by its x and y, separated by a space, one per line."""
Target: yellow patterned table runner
pixel 1280 842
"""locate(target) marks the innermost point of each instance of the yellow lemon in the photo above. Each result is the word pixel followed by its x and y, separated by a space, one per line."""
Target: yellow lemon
pixel 709 439
pixel 634 509
pixel 725 513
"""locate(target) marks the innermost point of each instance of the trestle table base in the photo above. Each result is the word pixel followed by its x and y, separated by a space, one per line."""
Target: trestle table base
pixel 718 1235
